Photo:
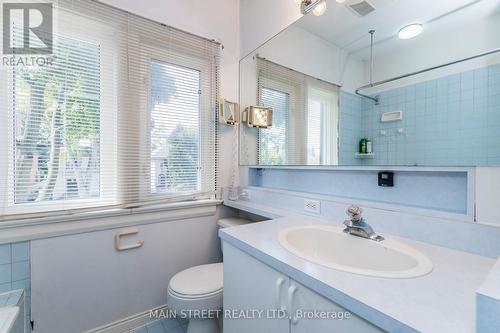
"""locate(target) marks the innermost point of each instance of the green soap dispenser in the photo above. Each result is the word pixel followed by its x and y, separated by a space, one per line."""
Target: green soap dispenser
pixel 363 145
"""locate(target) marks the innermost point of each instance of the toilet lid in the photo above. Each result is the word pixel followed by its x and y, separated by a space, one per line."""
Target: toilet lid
pixel 198 280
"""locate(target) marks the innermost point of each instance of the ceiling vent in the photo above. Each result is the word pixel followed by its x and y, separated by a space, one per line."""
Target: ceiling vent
pixel 362 8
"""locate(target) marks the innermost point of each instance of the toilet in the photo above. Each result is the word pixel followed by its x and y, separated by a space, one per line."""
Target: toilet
pixel 198 290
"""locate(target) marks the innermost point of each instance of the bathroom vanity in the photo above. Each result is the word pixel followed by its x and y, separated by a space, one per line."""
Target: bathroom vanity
pixel 353 113
pixel 280 301
pixel 260 274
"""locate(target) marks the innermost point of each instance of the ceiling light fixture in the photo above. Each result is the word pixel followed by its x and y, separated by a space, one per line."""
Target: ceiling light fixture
pixel 340 1
pixel 318 7
pixel 410 31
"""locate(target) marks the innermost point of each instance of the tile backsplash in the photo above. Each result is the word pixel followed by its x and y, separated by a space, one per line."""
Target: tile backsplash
pixel 450 121
pixel 15 269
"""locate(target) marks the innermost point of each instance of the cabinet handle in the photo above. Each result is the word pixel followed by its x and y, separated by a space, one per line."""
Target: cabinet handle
pixel 291 292
pixel 279 284
pixel 118 240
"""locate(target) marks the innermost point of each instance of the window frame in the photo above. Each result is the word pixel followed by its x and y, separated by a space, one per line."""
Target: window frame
pixel 107 115
pixel 330 120
pixel 175 58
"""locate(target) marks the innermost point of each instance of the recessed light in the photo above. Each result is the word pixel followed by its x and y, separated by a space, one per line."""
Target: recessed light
pixel 410 31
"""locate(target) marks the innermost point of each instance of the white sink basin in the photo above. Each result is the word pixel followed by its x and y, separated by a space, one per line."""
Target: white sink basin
pixel 330 247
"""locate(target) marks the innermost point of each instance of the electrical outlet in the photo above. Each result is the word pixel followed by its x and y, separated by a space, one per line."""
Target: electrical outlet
pixel 312 206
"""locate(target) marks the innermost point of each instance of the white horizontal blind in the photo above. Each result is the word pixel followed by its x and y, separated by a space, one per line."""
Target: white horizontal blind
pixel 124 117
pixel 285 91
pixel 300 134
pixel 274 139
pixel 172 100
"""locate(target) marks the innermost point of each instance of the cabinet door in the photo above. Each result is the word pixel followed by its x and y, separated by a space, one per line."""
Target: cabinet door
pixel 306 302
pixel 251 286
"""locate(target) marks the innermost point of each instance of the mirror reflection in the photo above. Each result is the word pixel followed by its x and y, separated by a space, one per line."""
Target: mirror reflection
pixel 420 88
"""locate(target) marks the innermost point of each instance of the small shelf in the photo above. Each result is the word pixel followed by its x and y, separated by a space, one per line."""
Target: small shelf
pixel 369 155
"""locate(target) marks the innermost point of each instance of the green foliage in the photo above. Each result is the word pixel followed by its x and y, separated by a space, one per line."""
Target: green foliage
pixel 182 160
pixel 69 88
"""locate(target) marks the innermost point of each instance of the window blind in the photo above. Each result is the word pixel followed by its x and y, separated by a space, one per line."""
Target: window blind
pixel 125 116
pixel 305 113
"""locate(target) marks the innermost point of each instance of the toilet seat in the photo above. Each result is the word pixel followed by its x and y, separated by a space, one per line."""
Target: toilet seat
pixel 194 297
pixel 198 282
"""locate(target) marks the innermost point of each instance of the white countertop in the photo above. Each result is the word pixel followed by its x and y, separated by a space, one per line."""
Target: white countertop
pixel 442 301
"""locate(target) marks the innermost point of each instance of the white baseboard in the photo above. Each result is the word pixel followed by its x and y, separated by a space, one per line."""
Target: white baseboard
pixel 129 323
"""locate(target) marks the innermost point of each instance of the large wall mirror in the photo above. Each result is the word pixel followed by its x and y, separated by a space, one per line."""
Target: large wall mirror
pixel 430 93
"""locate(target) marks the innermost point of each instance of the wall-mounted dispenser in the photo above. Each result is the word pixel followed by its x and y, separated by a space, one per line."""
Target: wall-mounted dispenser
pixel 391 116
pixel 258 117
pixel 386 179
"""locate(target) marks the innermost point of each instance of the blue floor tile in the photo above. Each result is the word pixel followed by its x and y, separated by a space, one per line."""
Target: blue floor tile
pixel 20 251
pixel 177 330
pixel 170 323
pixel 156 327
pixel 5 254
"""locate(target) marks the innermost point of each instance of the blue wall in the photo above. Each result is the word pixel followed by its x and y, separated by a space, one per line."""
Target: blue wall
pixel 437 190
pixel 450 121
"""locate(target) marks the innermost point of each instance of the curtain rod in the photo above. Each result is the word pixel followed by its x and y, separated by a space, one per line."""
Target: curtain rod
pixel 379 83
pixel 159 23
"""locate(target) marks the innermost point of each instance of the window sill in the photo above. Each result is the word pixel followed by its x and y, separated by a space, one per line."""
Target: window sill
pixel 16 231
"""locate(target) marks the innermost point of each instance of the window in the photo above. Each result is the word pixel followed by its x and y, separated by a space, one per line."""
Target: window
pixel 322 123
pixel 57 126
pixel 272 141
pixel 125 116
pixel 315 153
pixel 175 130
pixel 305 112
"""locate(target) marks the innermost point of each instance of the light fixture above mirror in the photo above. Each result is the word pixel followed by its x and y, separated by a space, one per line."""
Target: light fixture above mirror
pixel 318 7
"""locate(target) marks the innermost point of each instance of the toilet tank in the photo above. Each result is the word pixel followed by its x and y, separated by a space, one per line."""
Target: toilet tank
pixel 231 222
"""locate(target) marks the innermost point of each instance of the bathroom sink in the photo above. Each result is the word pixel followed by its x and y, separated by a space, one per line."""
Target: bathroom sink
pixel 329 246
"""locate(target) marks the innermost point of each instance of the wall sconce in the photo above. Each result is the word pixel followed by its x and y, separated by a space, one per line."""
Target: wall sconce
pixel 318 7
pixel 258 117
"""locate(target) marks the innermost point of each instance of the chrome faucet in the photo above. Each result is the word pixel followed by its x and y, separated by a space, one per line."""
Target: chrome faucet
pixel 357 226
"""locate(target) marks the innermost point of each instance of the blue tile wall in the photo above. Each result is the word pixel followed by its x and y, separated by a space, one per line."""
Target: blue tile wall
pixel 351 110
pixel 450 121
pixel 15 269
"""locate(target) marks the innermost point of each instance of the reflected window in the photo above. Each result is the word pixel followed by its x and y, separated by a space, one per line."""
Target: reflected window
pixel 322 131
pixel 272 141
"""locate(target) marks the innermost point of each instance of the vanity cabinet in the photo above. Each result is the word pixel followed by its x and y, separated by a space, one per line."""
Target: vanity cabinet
pixel 254 290
pixel 257 298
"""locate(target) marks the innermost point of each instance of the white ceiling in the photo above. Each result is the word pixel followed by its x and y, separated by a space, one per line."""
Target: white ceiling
pixel 340 26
